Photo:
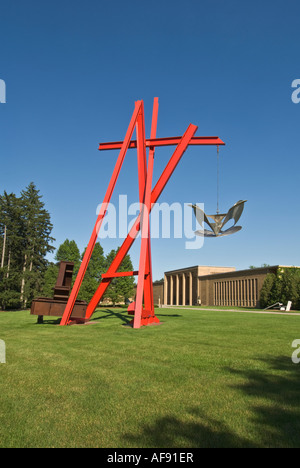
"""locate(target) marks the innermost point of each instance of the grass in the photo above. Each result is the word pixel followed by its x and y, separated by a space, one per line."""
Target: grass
pixel 200 379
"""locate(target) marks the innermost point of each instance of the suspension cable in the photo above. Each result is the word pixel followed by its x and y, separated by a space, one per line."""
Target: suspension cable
pixel 218 183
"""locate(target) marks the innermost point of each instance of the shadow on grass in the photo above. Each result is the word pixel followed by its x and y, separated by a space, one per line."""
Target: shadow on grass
pixel 48 321
pixel 272 409
pixel 105 314
pixel 122 316
pixel 275 397
pixel 201 432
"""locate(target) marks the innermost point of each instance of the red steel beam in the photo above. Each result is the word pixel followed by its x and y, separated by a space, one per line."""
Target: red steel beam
pixel 172 141
pixel 148 283
pixel 120 274
pixel 145 287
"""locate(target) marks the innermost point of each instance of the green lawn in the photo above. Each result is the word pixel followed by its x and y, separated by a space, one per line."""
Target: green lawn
pixel 200 379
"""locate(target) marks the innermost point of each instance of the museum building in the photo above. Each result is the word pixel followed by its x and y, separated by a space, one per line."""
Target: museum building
pixel 212 286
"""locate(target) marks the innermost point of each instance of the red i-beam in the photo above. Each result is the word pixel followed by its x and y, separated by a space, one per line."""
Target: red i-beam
pixel 143 307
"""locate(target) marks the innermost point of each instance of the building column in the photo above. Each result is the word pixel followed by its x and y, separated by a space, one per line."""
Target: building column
pixel 166 290
pixel 235 294
pixel 171 290
pixel 191 288
pixel 177 290
pixel 183 289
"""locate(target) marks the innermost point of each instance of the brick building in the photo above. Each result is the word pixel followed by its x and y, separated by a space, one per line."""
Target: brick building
pixel 208 285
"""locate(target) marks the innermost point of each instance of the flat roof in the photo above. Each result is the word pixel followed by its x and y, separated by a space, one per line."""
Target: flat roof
pixel 247 270
pixel 197 266
pixel 180 269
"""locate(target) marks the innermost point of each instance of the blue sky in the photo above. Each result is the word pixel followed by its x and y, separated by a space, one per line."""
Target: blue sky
pixel 73 70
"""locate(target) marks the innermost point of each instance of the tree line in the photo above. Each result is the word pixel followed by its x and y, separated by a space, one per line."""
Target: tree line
pixel 25 243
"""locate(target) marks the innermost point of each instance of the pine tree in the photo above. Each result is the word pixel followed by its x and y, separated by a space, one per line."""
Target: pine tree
pixel 11 246
pixel 120 288
pixel 93 275
pixel 50 278
pixel 68 251
pixel 112 292
pixel 266 290
pixel 126 283
pixel 37 243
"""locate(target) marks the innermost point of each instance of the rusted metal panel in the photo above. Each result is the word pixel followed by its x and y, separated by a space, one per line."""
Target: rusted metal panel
pixel 55 308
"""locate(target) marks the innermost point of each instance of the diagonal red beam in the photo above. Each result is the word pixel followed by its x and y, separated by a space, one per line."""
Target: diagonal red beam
pixel 172 141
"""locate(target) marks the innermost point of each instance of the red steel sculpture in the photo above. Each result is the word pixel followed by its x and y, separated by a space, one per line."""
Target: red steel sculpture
pixel 143 307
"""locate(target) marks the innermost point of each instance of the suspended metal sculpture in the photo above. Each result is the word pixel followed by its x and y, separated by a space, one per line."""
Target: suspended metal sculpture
pixel 220 220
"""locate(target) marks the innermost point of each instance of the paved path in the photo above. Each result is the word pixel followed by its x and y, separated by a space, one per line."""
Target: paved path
pixel 232 310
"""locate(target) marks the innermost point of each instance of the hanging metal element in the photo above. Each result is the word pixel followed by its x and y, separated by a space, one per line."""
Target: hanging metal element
pixel 218 179
pixel 220 220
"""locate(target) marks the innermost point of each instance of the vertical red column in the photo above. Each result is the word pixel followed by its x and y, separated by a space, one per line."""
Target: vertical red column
pixel 148 315
pixel 143 175
pixel 145 227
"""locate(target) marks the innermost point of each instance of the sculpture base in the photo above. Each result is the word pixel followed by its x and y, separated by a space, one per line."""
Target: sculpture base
pixel 45 306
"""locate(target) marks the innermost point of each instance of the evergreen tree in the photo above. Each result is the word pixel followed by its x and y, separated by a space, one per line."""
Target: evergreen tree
pixel 92 278
pixel 11 246
pixel 275 294
pixel 112 293
pixel 50 278
pixel 123 287
pixel 126 283
pixel 68 251
pixel 25 240
pixel 37 243
pixel 266 290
